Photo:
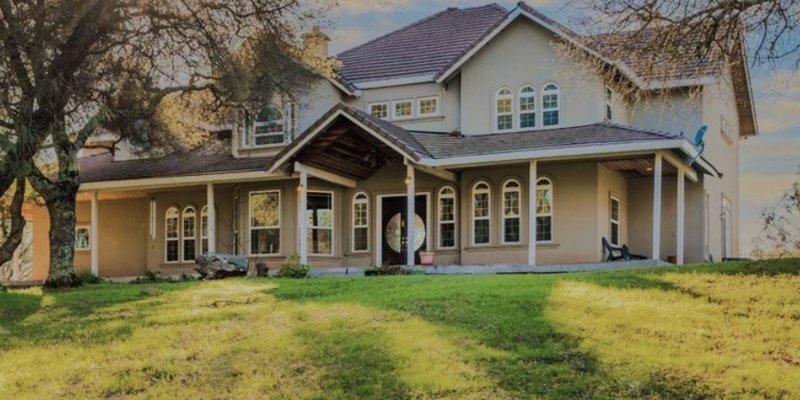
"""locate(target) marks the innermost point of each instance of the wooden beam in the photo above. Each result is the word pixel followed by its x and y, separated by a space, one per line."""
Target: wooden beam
pixel 324 175
pixel 440 173
pixel 675 161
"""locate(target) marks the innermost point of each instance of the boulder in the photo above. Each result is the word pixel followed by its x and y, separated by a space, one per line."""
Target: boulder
pixel 218 266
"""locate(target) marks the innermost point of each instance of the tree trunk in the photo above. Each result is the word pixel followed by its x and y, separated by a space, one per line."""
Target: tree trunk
pixel 61 206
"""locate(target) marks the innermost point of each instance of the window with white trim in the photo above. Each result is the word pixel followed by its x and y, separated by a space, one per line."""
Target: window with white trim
pixel 609 104
pixel 447 218
pixel 550 105
pixel 616 227
pixel 83 238
pixel 265 222
pixel 403 109
pixel 379 110
pixel 511 212
pixel 172 235
pixel 319 214
pixel 189 233
pixel 264 128
pixel 481 213
pixel 428 106
pixel 544 210
pixel 360 222
pixel 504 109
pixel 204 230
pixel 527 107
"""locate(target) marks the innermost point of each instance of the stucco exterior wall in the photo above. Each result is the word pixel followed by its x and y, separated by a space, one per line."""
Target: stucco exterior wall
pixel 524 54
pixel 674 111
pixel 611 183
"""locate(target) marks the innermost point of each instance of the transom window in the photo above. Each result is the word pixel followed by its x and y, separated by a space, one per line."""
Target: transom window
pixel 527 107
pixel 511 212
pixel 616 232
pixel 403 109
pixel 379 110
pixel 268 127
pixel 428 106
pixel 504 109
pixel 265 222
pixel 171 235
pixel 550 105
pixel 360 222
pixel 319 214
pixel 481 214
pixel 188 233
pixel 447 218
pixel 544 210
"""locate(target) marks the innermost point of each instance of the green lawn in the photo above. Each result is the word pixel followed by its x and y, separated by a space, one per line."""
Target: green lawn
pixel 719 331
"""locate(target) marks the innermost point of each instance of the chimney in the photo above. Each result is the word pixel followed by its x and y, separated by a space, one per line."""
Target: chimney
pixel 316 42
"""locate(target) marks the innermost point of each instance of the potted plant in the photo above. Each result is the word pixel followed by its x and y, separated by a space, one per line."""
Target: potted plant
pixel 426 257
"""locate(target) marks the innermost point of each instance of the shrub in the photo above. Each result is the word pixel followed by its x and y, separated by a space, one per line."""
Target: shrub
pixel 294 268
pixel 88 278
pixel 392 270
pixel 157 277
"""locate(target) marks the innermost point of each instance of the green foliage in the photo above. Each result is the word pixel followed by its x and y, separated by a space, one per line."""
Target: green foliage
pixel 88 278
pixel 157 277
pixel 392 270
pixel 294 268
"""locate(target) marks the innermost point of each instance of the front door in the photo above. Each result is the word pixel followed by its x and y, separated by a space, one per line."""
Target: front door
pixel 394 218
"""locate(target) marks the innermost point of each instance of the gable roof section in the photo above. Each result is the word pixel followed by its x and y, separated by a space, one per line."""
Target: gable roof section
pixel 422 49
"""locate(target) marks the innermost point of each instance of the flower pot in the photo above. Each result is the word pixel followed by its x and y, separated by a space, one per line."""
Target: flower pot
pixel 425 258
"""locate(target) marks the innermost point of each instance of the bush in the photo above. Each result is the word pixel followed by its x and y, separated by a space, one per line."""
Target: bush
pixel 157 277
pixel 88 278
pixel 294 268
pixel 392 270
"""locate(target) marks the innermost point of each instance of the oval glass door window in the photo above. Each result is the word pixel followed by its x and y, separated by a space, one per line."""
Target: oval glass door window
pixel 394 232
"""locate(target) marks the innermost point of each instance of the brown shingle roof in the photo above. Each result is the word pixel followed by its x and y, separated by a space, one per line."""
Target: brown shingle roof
pixel 425 47
pixel 441 145
pixel 213 158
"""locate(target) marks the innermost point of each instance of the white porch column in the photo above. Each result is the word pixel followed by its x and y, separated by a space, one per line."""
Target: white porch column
pixel 94 237
pixel 657 206
pixel 410 214
pixel 211 219
pixel 302 221
pixel 532 180
pixel 681 214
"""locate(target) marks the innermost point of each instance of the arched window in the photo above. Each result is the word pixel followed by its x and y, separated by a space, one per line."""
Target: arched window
pixel 447 218
pixel 481 213
pixel 527 107
pixel 504 109
pixel 189 233
pixel 360 238
pixel 511 212
pixel 269 127
pixel 544 210
pixel 550 105
pixel 171 235
pixel 204 230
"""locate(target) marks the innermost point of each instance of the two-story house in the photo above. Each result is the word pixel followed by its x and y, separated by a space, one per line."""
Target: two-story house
pixel 465 134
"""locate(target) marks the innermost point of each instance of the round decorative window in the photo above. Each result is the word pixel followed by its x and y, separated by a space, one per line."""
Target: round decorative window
pixel 395 231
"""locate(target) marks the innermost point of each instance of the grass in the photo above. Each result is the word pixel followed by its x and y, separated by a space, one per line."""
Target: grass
pixel 714 331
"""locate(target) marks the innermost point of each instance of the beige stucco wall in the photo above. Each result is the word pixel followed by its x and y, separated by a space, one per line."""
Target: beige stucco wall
pixel 611 183
pixel 524 54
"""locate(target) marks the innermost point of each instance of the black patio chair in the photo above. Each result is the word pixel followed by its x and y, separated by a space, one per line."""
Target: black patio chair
pixel 626 252
pixel 614 253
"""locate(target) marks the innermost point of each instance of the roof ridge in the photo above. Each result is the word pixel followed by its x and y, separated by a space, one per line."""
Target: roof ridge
pixel 417 22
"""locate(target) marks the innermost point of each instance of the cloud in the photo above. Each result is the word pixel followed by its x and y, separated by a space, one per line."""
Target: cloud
pixel 358 7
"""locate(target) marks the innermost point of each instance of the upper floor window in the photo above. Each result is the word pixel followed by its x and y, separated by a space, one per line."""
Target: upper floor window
pixel 481 214
pixel 360 222
pixel 428 106
pixel 403 109
pixel 544 210
pixel 447 218
pixel 527 107
pixel 504 109
pixel 379 110
pixel 609 104
pixel 725 130
pixel 550 105
pixel 268 127
pixel 511 213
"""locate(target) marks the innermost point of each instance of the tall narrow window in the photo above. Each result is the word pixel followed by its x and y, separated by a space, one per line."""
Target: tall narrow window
pixel 609 104
pixel 265 222
pixel 189 233
pixel 447 218
pixel 616 231
pixel 319 214
pixel 83 238
pixel 360 222
pixel 204 230
pixel 269 127
pixel 527 107
pixel 544 210
pixel 172 236
pixel 511 214
pixel 504 109
pixel 550 105
pixel 481 214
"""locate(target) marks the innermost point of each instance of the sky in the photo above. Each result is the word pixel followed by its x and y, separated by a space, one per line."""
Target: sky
pixel 769 163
